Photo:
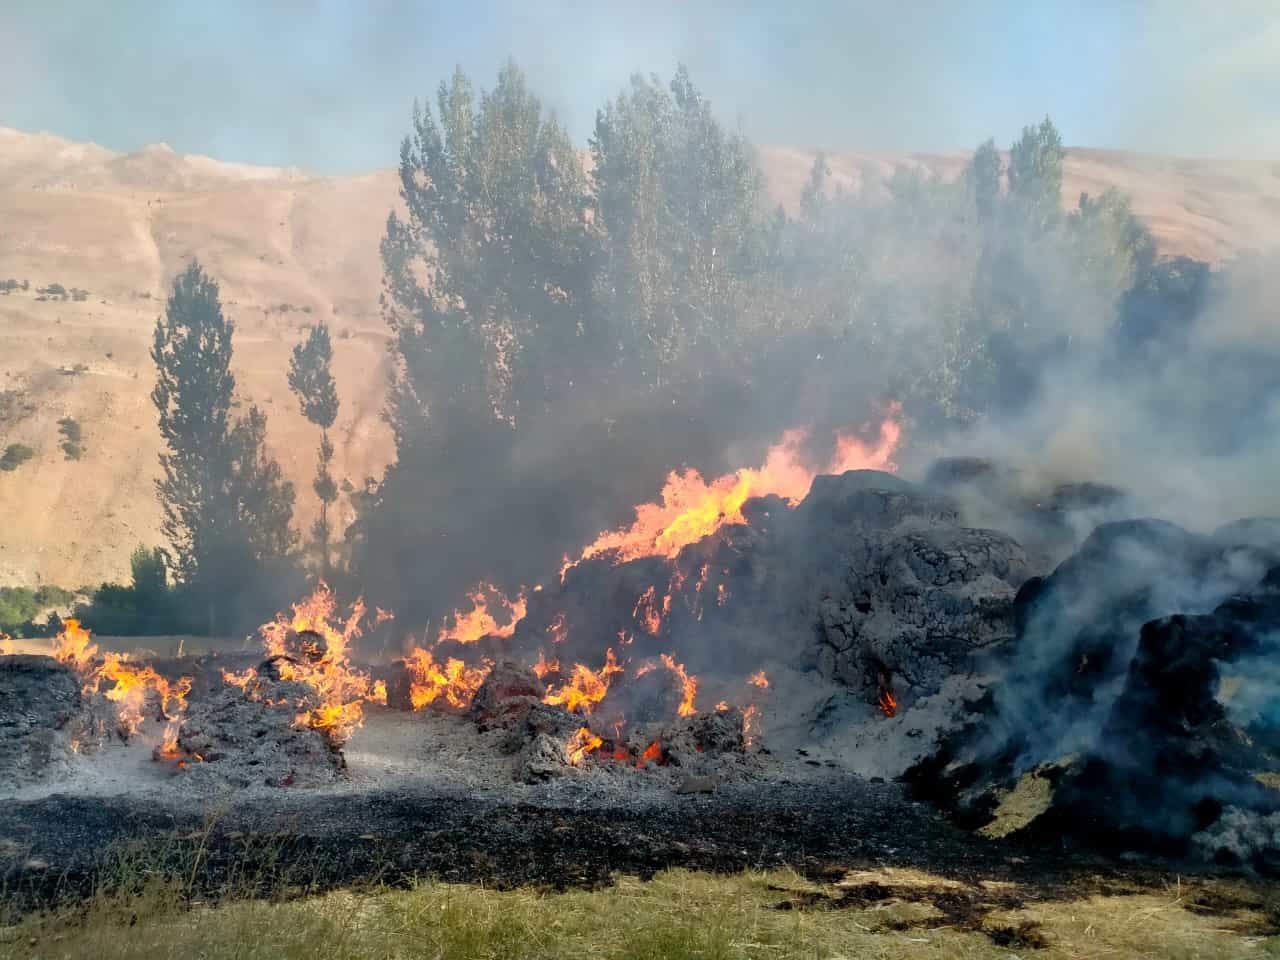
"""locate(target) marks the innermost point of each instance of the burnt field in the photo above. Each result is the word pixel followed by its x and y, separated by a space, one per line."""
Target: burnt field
pixel 964 675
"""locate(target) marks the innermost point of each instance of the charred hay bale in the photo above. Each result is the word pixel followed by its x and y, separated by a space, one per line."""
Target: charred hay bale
pixel 542 758
pixel 703 741
pixel 1079 630
pixel 508 693
pixel 1130 736
pixel 39 698
pixel 1048 521
pixel 244 737
pixel 866 501
pixel 918 605
pixel 544 718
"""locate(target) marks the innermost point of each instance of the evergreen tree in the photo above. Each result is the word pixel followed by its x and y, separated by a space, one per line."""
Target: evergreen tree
pixel 983 175
pixel 226 510
pixel 311 380
pixel 1035 174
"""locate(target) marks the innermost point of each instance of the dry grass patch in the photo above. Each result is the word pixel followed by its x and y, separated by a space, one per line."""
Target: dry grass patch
pixel 876 914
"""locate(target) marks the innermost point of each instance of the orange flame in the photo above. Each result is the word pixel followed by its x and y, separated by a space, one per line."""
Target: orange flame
pixel 478 622
pixel 130 686
pixel 72 646
pixel 646 612
pixel 585 687
pixel 544 666
pixel 750 724
pixel 7 647
pixel 651 752
pixel 888 703
pixel 688 684
pixel 452 680
pixel 758 679
pixel 582 743
pixel 341 688
pixel 691 508
pixel 557 629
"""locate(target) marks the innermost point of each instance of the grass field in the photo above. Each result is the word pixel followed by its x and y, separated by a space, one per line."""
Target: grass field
pixel 881 914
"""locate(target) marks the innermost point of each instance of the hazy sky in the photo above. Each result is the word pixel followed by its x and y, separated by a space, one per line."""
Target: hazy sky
pixel 329 85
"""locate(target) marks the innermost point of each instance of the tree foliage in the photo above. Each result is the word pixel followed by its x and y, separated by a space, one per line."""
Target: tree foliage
pixel 226 508
pixel 311 380
pixel 562 334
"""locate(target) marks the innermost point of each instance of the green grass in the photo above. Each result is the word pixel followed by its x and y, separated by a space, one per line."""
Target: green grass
pixel 677 915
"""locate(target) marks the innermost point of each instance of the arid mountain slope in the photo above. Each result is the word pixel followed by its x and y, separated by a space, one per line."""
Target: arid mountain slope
pixel 290 248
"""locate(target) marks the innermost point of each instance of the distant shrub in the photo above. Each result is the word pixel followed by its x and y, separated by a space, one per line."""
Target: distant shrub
pixel 79 295
pixel 148 605
pixel 69 427
pixel 15 455
pixel 53 290
pixel 7 286
pixel 19 606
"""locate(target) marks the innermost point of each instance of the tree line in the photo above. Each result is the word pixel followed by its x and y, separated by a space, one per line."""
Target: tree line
pixel 565 328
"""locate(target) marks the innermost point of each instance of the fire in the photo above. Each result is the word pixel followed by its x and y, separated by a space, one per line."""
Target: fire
pixel 544 666
pixel 323 663
pixel 692 508
pixel 130 685
pixel 479 622
pixel 73 647
pixel 453 681
pixel 7 647
pixel 557 629
pixel 646 611
pixel 652 752
pixel 758 679
pixel 582 743
pixel 585 687
pixel 750 724
pixel 137 691
pixel 688 684
pixel 888 702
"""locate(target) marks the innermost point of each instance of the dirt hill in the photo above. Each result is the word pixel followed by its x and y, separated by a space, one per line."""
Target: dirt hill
pixel 290 248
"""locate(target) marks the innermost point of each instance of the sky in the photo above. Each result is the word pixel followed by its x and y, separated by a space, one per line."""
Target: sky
pixel 329 86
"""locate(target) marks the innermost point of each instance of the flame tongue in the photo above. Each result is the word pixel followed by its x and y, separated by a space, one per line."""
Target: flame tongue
pixel 691 508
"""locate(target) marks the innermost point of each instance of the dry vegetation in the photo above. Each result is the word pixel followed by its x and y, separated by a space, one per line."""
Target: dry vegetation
pixel 288 249
pixel 887 914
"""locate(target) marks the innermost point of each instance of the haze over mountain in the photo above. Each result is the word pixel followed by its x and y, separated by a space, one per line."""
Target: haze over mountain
pixel 289 248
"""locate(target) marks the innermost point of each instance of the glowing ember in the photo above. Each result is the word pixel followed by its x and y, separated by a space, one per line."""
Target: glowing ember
pixel 691 508
pixel 585 687
pixel 451 682
pixel 888 703
pixel 750 724
pixel 478 622
pixel 582 743
pixel 652 752
pixel 758 679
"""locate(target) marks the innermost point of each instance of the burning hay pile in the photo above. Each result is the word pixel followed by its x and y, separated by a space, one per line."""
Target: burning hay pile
pixel 772 624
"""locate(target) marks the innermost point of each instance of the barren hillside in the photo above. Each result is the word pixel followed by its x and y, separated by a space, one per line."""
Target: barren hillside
pixel 290 248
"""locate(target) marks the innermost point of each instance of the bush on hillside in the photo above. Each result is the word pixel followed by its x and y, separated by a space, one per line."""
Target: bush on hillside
pixel 15 455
